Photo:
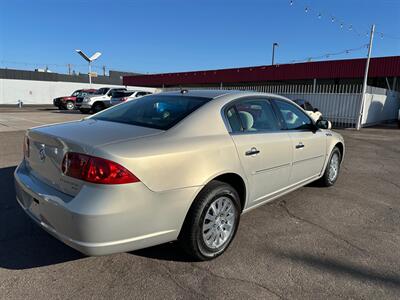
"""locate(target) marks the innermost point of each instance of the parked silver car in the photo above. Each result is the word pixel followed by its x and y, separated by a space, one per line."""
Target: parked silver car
pixel 172 166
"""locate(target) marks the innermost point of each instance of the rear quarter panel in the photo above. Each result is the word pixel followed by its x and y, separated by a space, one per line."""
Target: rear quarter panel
pixel 165 162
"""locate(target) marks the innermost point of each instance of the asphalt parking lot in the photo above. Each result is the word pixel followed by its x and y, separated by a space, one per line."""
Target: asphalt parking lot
pixel 339 242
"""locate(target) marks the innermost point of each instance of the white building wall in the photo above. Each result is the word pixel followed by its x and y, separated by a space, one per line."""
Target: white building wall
pixel 43 92
pixel 380 107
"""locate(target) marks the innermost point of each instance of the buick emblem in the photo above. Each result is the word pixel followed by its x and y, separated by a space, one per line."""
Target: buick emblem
pixel 42 154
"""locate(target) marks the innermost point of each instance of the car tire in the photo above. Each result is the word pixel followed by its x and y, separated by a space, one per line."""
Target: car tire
pixel 84 110
pixel 211 222
pixel 70 105
pixel 331 173
pixel 97 107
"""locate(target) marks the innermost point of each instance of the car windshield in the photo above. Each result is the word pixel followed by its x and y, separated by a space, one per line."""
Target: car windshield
pixel 76 93
pixel 160 112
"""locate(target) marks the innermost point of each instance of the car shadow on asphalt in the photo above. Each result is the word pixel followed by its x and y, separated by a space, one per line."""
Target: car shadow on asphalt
pixel 23 244
pixel 68 112
pixel 169 251
pixel 339 267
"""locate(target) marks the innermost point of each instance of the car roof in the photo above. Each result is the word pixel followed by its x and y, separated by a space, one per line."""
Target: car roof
pixel 201 93
pixel 212 94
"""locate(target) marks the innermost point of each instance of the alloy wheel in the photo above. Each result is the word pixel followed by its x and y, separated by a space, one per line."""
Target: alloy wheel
pixel 334 167
pixel 70 106
pixel 219 222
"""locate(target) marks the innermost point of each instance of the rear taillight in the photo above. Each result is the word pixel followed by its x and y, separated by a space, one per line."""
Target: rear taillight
pixel 26 147
pixel 95 169
pixel 124 99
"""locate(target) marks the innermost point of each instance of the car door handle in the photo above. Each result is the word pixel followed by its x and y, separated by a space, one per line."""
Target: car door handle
pixel 299 145
pixel 252 151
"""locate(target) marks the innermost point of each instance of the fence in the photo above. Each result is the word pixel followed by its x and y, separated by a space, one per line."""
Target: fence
pixel 339 103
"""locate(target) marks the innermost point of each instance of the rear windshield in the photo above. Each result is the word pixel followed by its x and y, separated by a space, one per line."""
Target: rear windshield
pixel 155 111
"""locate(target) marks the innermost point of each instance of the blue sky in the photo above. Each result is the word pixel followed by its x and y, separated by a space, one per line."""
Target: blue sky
pixel 178 35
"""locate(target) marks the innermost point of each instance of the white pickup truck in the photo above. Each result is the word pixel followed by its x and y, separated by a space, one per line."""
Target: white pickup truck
pixel 97 102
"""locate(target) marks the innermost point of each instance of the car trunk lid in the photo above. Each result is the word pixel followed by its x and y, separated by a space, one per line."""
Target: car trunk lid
pixel 48 145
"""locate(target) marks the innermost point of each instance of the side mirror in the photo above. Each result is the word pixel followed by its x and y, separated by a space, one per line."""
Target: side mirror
pixel 324 124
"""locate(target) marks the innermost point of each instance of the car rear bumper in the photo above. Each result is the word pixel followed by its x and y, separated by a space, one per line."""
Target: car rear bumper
pixel 102 220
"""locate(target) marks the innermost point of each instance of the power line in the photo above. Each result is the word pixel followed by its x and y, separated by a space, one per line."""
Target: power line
pixel 329 54
pixel 68 66
pixel 334 19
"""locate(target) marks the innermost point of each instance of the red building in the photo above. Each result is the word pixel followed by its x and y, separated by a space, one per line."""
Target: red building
pixel 383 72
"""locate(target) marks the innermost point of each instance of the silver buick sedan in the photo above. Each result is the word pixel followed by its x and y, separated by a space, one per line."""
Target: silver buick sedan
pixel 173 166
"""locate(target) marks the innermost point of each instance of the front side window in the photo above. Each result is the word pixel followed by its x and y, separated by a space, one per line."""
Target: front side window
pixel 254 115
pixel 160 112
pixel 293 117
pixel 121 94
pixel 102 91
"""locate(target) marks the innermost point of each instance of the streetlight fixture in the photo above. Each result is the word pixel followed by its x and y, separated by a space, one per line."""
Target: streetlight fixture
pixel 273 52
pixel 89 60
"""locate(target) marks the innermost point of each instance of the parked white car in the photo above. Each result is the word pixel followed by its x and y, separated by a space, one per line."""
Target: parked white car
pixel 313 112
pixel 123 96
pixel 97 102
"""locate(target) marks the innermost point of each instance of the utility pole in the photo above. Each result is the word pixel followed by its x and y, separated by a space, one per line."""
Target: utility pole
pixel 273 52
pixel 69 69
pixel 364 90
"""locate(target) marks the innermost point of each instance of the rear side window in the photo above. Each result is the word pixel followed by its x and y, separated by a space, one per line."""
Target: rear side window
pixel 160 112
pixel 253 115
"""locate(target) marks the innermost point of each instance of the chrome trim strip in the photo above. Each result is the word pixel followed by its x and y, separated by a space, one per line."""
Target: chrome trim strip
pixel 315 157
pixel 272 168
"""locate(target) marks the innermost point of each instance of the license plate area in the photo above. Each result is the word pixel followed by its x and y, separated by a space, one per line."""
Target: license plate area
pixel 34 208
pixel 30 203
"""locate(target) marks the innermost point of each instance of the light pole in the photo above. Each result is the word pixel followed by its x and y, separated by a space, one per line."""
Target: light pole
pixel 89 60
pixel 273 52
